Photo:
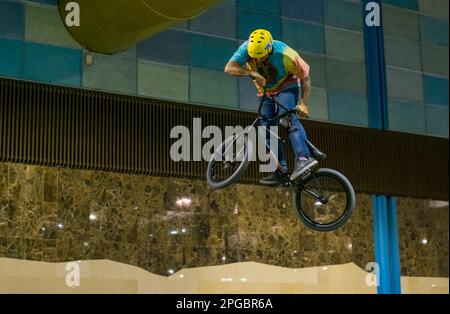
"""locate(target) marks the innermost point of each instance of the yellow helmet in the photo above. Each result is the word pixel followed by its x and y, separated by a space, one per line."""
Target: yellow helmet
pixel 260 44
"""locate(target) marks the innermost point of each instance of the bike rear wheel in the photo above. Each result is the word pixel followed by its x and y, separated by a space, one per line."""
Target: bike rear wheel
pixel 325 200
pixel 229 162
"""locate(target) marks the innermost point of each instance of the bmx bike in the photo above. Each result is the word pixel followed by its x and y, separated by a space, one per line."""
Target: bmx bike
pixel 323 198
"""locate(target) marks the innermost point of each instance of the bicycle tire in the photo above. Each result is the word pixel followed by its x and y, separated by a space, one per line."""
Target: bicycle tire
pixel 350 205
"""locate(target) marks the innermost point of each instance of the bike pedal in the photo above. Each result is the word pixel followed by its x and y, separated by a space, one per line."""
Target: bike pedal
pixel 286 184
pixel 286 181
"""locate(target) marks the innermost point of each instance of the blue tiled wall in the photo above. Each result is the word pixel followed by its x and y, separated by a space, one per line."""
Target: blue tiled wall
pixel 186 62
pixel 267 6
pixel 11 54
pixel 11 19
pixel 348 107
pixel 416 46
pixel 171 46
pixel 250 20
pixel 305 10
pixel 304 36
pixel 344 14
pixel 52 64
pixel 408 4
pixel 437 120
pixel 215 56
pixel 220 21
pixel 436 90
pixel 434 31
pixel 406 116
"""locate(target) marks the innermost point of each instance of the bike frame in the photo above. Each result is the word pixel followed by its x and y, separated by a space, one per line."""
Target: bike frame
pixel 257 122
pixel 277 118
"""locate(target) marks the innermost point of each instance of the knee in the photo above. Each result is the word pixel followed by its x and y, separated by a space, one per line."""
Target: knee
pixel 295 125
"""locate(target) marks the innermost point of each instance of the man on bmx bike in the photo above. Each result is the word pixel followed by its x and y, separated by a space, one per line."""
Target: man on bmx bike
pixel 279 71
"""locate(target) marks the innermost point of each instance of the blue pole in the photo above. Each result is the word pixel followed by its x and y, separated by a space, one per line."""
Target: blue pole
pixel 381 237
pixel 384 211
pixel 394 246
pixel 375 70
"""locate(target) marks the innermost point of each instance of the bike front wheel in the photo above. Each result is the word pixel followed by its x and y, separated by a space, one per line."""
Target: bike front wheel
pixel 325 200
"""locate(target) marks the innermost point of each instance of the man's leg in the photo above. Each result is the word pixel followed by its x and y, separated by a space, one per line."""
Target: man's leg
pixel 303 159
pixel 297 132
pixel 269 110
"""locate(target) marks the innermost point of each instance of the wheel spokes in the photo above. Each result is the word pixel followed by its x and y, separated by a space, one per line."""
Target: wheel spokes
pixel 323 201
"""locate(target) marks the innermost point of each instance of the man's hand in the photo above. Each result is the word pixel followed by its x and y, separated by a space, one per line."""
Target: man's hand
pixel 258 79
pixel 302 110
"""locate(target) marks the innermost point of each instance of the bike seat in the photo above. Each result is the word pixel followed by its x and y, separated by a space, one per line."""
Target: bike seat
pixel 315 151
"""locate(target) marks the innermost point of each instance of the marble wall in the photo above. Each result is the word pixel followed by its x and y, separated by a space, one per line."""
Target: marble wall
pixel 166 224
pixel 423 237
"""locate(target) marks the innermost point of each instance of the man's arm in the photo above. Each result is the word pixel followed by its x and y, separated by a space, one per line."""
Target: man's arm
pixel 302 70
pixel 235 69
pixel 306 89
pixel 302 108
